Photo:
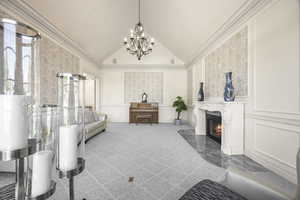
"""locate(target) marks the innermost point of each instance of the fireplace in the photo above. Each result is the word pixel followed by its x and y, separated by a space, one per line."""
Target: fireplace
pixel 214 125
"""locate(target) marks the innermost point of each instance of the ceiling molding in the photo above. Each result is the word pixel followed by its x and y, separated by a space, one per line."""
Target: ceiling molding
pixel 21 9
pixel 241 16
pixel 142 66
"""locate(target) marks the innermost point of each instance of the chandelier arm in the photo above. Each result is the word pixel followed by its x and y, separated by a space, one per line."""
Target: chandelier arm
pixel 132 51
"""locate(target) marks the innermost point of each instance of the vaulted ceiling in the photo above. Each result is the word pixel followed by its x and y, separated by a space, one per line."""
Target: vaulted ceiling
pixel 99 26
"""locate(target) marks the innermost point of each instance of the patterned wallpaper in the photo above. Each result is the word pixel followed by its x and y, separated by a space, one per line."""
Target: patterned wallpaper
pixel 231 56
pixel 53 59
pixel 136 83
pixel 190 87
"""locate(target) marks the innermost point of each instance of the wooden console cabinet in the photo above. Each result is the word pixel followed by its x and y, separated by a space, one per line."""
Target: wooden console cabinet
pixel 143 113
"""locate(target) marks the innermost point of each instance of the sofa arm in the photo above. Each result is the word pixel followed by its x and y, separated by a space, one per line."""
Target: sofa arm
pixel 250 187
pixel 101 116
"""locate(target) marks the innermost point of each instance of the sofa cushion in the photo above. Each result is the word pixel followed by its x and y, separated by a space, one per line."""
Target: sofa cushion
pixel 209 190
pixel 96 116
pixel 92 126
pixel 89 117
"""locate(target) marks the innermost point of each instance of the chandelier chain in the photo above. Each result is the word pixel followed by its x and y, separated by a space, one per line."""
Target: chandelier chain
pixel 139 11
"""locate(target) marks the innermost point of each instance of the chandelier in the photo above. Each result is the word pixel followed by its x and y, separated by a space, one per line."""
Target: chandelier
pixel 138 43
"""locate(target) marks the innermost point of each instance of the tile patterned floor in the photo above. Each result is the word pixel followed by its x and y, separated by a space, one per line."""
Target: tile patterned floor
pixel 161 162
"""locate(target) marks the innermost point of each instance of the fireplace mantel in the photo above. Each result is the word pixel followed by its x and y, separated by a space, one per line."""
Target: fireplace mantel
pixel 232 124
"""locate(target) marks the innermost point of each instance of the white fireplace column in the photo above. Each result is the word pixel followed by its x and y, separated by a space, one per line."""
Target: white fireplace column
pixel 200 120
pixel 232 142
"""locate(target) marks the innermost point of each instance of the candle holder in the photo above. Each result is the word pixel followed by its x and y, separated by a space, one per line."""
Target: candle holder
pixel 19 93
pixel 40 165
pixel 71 134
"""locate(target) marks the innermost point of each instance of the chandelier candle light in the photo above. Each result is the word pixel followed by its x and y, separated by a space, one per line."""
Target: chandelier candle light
pixel 138 43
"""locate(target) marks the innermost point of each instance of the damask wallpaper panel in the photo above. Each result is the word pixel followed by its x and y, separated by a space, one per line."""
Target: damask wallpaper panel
pixel 231 56
pixel 54 59
pixel 136 83
pixel 190 87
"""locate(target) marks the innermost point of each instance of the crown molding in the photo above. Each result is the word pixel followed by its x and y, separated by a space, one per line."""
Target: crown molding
pixel 22 10
pixel 142 66
pixel 240 17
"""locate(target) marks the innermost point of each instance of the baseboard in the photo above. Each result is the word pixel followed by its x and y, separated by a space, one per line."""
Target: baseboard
pixel 284 171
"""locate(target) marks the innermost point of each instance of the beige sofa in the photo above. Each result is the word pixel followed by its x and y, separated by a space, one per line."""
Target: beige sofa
pixel 95 123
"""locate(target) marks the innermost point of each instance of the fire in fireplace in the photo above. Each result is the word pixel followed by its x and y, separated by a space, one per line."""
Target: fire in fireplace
pixel 214 125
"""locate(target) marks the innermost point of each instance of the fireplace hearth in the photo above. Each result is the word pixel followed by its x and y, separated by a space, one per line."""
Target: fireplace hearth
pixel 214 125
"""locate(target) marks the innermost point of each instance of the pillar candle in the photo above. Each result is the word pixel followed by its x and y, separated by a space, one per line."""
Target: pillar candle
pixel 14 122
pixel 68 140
pixel 41 172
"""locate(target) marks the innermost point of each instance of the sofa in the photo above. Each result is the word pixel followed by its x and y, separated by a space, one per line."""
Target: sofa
pixel 95 123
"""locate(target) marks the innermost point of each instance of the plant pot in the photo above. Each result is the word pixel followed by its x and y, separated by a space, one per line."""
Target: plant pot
pixel 177 122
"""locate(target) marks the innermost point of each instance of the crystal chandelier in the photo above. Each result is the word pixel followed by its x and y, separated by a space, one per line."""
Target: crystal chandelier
pixel 138 44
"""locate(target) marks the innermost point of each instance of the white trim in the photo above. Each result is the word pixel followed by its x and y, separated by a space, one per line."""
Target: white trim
pixel 270 161
pixel 22 10
pixel 277 167
pixel 277 119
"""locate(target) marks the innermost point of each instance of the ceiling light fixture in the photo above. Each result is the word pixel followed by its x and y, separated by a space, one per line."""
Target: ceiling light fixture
pixel 138 44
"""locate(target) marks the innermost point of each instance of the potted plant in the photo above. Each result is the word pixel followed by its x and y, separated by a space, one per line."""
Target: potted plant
pixel 180 106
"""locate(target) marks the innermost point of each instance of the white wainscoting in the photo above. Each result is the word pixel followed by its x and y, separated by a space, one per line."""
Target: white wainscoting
pixel 120 113
pixel 272 131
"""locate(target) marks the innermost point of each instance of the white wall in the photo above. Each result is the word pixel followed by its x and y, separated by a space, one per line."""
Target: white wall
pixel 273 113
pixel 174 81
pixel 89 68
pixel 113 92
pixel 159 56
pixel 272 118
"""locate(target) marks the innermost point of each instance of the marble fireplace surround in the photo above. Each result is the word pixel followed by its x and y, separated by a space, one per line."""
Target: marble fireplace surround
pixel 232 142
